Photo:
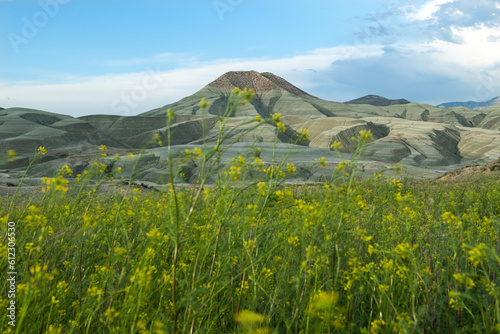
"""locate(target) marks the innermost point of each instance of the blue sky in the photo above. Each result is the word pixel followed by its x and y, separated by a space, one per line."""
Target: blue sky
pixel 82 57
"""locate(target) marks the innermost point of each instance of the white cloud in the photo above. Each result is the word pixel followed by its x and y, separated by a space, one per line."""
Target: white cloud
pixel 144 91
pixel 478 50
pixel 427 11
pixel 456 12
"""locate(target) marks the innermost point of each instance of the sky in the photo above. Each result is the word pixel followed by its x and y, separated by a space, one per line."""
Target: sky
pixel 81 57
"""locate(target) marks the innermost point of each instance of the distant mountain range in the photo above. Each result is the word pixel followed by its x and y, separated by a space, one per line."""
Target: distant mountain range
pixel 376 100
pixel 472 104
pixel 427 140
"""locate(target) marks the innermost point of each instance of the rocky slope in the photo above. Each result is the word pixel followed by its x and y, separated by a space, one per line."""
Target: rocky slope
pixel 259 82
pixel 473 173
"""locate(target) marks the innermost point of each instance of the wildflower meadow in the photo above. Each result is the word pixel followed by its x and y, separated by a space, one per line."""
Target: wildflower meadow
pixel 250 253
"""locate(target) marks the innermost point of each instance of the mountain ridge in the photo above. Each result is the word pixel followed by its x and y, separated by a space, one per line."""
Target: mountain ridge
pixel 474 105
pixel 376 100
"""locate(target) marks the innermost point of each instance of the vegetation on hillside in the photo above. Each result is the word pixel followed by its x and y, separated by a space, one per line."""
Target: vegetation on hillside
pixel 255 256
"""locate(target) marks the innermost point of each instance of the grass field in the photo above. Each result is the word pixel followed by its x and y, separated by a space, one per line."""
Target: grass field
pixel 244 256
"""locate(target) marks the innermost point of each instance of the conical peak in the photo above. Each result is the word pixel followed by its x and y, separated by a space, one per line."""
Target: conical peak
pixel 259 82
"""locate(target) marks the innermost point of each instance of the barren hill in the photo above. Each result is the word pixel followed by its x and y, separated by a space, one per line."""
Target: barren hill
pixel 259 82
pixel 376 100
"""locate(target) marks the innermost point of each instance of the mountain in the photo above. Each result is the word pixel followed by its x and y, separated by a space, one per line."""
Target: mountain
pixel 259 82
pixel 376 100
pixel 427 140
pixel 273 94
pixel 473 104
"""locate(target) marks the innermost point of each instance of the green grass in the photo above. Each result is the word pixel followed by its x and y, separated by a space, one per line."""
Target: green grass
pixel 383 256
pixel 247 256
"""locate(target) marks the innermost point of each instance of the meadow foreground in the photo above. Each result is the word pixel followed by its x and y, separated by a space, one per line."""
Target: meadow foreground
pixel 376 255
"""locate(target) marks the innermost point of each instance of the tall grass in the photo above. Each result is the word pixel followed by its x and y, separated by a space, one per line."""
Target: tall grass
pixel 370 256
